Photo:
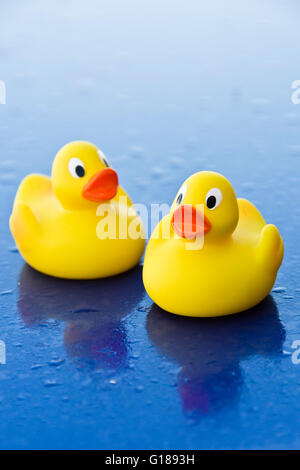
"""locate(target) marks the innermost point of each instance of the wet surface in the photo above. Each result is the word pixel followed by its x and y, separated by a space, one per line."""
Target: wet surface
pixel 164 89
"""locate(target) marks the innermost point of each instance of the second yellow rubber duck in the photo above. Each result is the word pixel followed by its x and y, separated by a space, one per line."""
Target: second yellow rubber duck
pixel 213 254
pixel 59 224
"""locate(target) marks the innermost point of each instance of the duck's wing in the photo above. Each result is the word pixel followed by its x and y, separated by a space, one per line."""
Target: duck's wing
pixel 251 222
pixel 33 189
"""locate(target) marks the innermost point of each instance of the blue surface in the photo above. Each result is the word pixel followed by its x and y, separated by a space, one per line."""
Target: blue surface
pixel 165 89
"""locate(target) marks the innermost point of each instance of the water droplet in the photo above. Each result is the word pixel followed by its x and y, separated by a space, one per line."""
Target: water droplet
pixel 20 397
pixel 278 290
pixel 258 105
pixel 36 366
pixel 6 292
pixel 291 118
pixel 56 362
pixel 157 171
pixel 50 383
pixel 191 142
pixel 85 310
pixel 191 421
pixel 176 161
pixel 294 149
pixel 136 150
pixel 155 380
pixel 141 309
pixel 248 186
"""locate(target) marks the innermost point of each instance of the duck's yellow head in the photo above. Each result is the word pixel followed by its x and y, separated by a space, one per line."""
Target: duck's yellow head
pixel 81 175
pixel 205 204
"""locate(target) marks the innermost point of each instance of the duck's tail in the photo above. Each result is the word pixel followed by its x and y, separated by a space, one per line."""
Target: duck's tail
pixel 24 226
pixel 270 247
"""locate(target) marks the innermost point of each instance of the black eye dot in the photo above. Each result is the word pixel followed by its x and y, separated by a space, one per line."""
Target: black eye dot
pixel 179 198
pixel 105 162
pixel 79 170
pixel 211 202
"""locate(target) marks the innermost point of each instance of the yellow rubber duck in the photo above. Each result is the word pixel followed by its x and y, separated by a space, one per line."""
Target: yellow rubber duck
pixel 78 224
pixel 213 254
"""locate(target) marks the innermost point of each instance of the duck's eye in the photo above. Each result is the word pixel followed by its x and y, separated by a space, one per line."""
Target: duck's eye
pixel 213 198
pixel 103 158
pixel 181 194
pixel 76 168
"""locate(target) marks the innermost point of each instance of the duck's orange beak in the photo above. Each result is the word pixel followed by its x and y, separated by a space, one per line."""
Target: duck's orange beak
pixel 102 186
pixel 187 222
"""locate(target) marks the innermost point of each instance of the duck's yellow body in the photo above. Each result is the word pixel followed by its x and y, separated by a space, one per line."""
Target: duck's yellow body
pixel 226 266
pixel 59 224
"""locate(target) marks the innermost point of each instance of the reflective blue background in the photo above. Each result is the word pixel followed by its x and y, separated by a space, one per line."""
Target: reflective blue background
pixel 165 88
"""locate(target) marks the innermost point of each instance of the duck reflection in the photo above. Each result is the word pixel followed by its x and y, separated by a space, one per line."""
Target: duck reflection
pixel 209 351
pixel 92 310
